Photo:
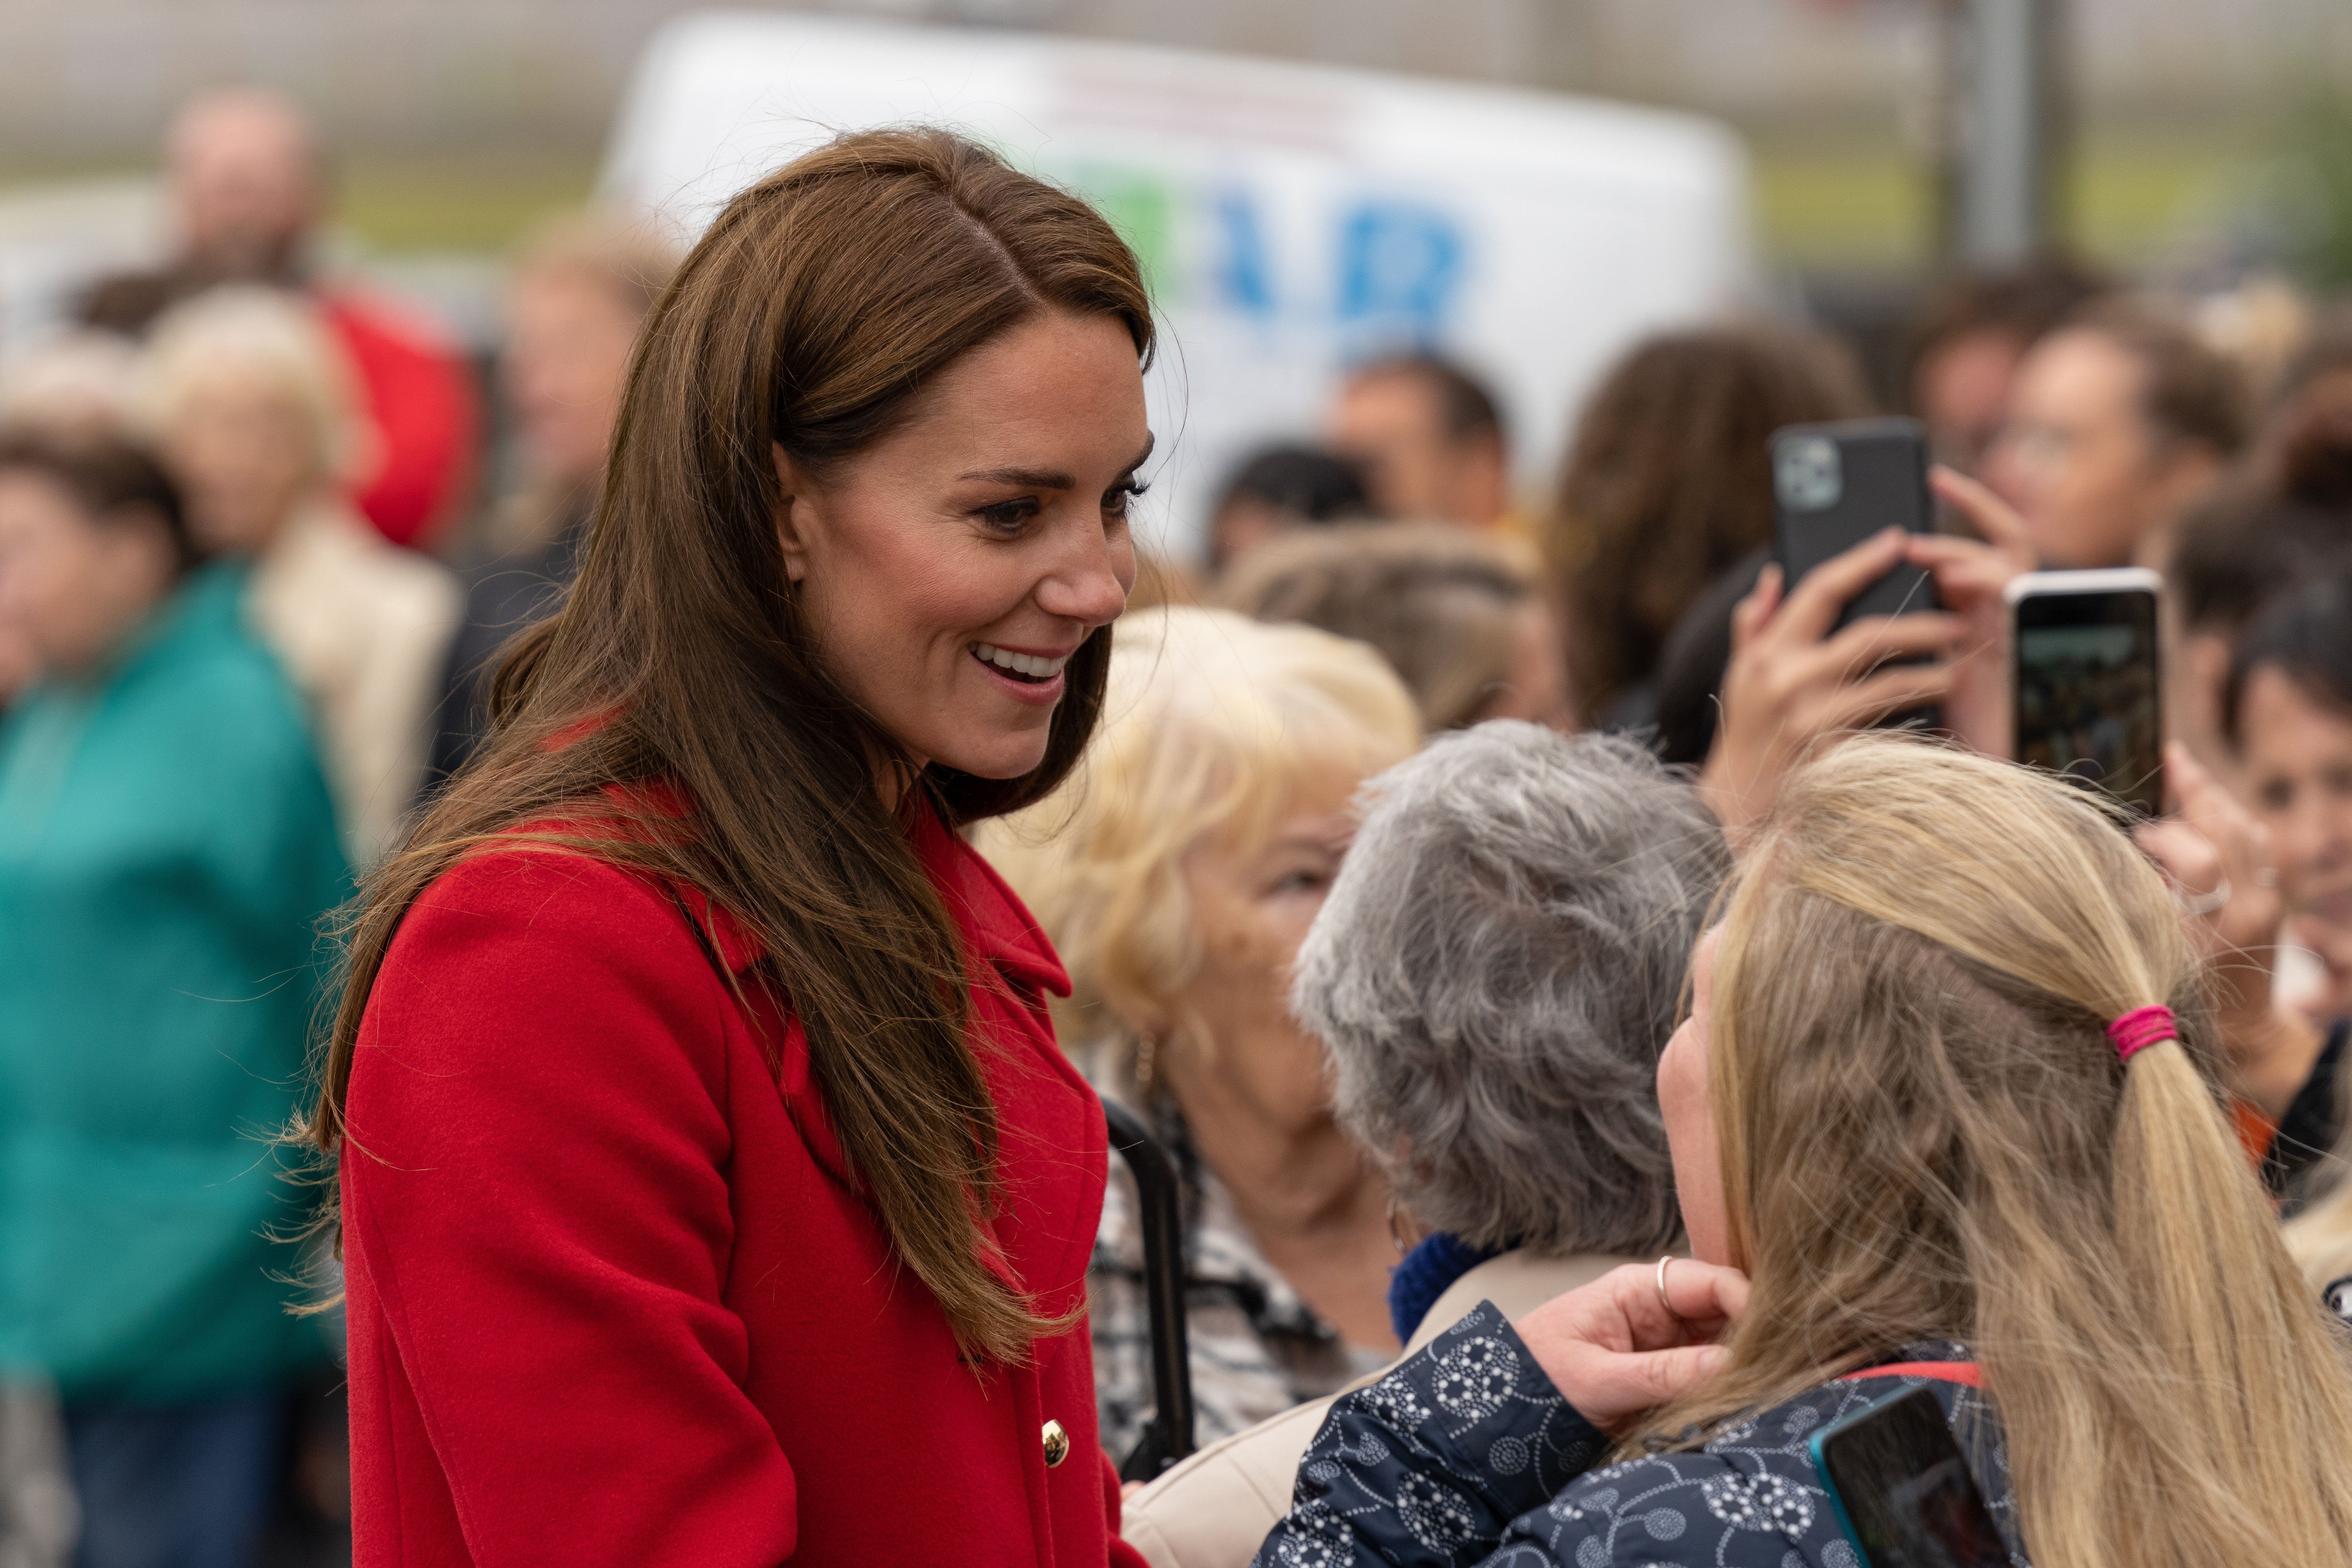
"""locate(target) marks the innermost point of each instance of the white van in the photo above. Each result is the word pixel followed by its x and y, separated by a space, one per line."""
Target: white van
pixel 1292 219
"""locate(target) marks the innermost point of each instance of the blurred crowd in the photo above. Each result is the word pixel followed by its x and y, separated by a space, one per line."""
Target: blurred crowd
pixel 256 563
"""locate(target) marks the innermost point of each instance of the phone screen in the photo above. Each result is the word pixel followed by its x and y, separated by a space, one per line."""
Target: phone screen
pixel 2088 698
pixel 1904 1491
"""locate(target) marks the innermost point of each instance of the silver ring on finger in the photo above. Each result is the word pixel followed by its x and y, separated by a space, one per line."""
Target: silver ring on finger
pixel 1663 1299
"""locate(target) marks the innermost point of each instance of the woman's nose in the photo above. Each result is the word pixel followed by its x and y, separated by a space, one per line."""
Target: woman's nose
pixel 1089 582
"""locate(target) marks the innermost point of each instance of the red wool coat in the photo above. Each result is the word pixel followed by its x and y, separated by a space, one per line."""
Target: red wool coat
pixel 613 1300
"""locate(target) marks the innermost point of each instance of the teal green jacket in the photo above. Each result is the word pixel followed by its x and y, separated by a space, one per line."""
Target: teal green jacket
pixel 167 846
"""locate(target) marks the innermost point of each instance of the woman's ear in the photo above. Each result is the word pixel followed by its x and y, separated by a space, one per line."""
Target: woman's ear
pixel 791 513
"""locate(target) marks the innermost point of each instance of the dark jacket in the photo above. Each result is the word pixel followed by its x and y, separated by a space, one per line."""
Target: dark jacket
pixel 503 596
pixel 1466 1454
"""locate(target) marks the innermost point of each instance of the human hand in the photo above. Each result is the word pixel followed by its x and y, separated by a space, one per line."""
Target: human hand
pixel 1971 576
pixel 2218 857
pixel 2216 853
pixel 1790 682
pixel 1614 1350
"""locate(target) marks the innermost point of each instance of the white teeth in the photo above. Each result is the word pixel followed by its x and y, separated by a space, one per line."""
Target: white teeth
pixel 1031 665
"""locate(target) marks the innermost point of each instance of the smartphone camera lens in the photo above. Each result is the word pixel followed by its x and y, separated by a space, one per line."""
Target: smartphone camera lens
pixel 1808 474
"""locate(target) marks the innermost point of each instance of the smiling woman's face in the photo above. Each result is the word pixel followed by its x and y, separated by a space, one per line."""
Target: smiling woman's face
pixel 950 570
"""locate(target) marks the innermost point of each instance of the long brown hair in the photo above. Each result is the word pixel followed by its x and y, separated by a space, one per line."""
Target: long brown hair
pixel 1924 1133
pixel 1668 485
pixel 815 311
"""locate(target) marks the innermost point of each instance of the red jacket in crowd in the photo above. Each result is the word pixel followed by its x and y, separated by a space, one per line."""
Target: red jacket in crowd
pixel 418 395
pixel 613 1300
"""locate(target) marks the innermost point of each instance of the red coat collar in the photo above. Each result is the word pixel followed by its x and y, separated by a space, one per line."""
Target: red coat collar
pixel 996 925
pixel 997 928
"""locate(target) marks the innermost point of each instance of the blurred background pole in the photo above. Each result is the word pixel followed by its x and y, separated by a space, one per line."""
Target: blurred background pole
pixel 2004 108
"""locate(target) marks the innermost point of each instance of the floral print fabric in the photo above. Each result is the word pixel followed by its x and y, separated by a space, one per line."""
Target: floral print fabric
pixel 1465 1454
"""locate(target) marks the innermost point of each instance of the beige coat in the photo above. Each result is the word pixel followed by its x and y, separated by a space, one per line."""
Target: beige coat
pixel 1214 1511
pixel 362 628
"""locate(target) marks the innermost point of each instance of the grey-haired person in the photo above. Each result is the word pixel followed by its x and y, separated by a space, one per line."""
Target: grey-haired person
pixel 1494 972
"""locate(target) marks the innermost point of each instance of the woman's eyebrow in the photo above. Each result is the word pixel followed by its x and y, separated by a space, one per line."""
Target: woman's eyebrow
pixel 1033 479
pixel 1048 478
pixel 1335 836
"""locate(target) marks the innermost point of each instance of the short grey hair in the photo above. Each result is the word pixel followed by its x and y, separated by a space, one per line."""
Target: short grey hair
pixel 1495 971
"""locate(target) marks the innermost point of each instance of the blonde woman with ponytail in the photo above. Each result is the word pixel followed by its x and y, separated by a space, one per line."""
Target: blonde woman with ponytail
pixel 1947 1100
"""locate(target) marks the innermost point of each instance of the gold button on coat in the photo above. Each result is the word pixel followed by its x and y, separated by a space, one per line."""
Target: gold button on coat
pixel 1057 1444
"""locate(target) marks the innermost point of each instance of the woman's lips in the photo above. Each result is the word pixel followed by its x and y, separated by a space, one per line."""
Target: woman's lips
pixel 1036 693
pixel 1021 660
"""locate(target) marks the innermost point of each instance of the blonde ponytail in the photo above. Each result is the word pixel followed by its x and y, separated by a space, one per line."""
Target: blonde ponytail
pixel 1927 1133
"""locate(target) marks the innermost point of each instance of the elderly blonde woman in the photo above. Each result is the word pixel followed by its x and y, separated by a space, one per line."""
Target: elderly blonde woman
pixel 246 396
pixel 1177 872
pixel 1495 974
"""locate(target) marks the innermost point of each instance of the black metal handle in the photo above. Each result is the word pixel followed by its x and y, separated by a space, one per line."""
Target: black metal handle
pixel 1168 1435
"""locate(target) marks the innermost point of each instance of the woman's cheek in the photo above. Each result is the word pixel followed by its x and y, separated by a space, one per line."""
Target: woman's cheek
pixel 1681 1088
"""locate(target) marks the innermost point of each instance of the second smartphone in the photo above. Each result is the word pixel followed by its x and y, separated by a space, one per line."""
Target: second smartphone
pixel 1902 1491
pixel 2086 687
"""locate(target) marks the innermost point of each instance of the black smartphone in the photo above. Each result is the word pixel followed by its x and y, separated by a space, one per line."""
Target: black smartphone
pixel 1902 1490
pixel 1836 485
pixel 2087 688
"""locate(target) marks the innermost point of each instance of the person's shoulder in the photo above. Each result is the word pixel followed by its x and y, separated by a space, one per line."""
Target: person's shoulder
pixel 377 325
pixel 526 982
pixel 1217 1506
pixel 129 302
pixel 548 892
pixel 338 557
pixel 1748 1498
pixel 1517 1282
pixel 211 671
pixel 1740 1503
pixel 552 881
pixel 543 925
pixel 395 568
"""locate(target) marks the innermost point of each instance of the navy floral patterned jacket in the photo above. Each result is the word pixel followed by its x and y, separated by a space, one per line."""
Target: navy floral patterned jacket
pixel 1465 1454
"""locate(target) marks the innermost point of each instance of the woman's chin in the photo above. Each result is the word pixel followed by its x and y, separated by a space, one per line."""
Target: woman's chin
pixel 1006 757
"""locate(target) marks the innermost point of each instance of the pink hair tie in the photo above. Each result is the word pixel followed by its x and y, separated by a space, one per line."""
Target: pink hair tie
pixel 2140 1028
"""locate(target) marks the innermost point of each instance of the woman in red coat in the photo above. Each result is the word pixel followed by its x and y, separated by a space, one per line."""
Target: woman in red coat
pixel 711 1190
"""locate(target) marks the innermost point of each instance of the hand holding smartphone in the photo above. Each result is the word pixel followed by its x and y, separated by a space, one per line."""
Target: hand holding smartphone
pixel 1835 486
pixel 1794 679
